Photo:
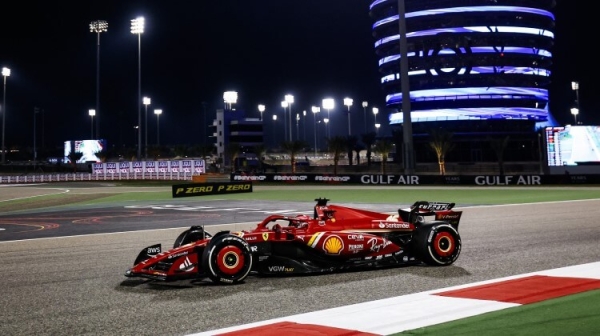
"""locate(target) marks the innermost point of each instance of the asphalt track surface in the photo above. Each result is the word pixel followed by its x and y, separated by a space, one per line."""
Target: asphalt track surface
pixel 67 278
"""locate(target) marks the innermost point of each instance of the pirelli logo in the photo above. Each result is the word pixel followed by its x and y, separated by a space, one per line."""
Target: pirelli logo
pixel 200 189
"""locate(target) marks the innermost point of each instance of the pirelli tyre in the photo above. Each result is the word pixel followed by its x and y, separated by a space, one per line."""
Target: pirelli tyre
pixel 437 244
pixel 227 259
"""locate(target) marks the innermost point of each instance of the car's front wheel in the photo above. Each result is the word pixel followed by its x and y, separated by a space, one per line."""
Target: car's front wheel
pixel 227 259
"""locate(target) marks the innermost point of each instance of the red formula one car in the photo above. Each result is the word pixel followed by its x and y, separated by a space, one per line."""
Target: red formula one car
pixel 335 238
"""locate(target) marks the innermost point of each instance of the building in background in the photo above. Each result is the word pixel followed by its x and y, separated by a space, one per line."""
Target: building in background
pixel 477 68
pixel 232 127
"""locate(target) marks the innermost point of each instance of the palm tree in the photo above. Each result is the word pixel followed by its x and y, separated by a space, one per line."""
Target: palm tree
pixel 351 142
pixel 383 147
pixel 499 145
pixel 260 150
pixel 369 139
pixel 336 145
pixel 232 151
pixel 292 148
pixel 441 143
pixel 73 158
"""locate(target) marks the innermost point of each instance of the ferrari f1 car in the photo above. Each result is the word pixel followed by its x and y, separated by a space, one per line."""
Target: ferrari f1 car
pixel 335 238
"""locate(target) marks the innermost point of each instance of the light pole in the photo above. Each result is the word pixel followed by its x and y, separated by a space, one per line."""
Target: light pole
pixel 375 111
pixel 284 104
pixel 328 104
pixel 575 112
pixel 92 113
pixel 98 27
pixel 275 130
pixel 137 27
pixel 365 104
pixel 146 101
pixel 315 110
pixel 348 103
pixel 290 100
pixel 377 128
pixel 35 112
pixel 575 87
pixel 157 112
pixel 261 109
pixel 304 125
pixel 297 126
pixel 5 73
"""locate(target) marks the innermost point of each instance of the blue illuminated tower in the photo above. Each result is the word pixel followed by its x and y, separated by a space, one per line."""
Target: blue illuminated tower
pixel 467 60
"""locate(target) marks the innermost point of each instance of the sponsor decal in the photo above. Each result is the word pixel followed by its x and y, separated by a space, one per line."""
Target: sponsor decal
pixel 265 236
pixel 355 248
pixel 357 237
pixel 253 249
pixel 251 238
pixel 176 255
pixel 289 178
pixel 249 178
pixel 332 178
pixel 508 180
pixel 376 245
pixel 394 225
pixel 280 269
pixel 389 179
pixel 153 250
pixel 198 189
pixel 239 234
pixel 186 265
pixel 449 216
pixel 333 245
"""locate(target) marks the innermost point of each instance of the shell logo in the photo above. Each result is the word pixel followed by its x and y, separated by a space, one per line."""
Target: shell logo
pixel 333 245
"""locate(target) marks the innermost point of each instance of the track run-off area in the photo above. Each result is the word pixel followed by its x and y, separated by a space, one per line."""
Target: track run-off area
pixel 63 266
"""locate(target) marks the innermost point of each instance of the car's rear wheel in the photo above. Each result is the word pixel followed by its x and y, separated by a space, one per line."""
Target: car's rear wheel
pixel 437 245
pixel 227 259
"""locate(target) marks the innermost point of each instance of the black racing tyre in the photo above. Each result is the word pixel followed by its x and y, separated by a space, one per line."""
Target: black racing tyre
pixel 227 259
pixel 438 244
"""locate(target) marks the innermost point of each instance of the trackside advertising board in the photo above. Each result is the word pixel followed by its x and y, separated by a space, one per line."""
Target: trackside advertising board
pixel 399 179
pixel 201 189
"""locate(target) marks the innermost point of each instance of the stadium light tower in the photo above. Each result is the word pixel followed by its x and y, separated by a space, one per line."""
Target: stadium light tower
pixel 261 109
pixel 157 112
pixel 290 100
pixel 92 113
pixel 285 105
pixel 146 101
pixel 315 110
pixel 5 73
pixel 348 103
pixel 328 104
pixel 575 112
pixel 375 112
pixel 575 87
pixel 137 28
pixel 98 27
pixel 230 98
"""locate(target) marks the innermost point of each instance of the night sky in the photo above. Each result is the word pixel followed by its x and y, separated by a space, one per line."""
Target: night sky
pixel 193 51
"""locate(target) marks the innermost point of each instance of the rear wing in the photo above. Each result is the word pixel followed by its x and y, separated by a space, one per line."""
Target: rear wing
pixel 441 210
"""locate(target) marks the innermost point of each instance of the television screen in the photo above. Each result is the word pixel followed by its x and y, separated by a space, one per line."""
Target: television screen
pixel 573 145
pixel 87 148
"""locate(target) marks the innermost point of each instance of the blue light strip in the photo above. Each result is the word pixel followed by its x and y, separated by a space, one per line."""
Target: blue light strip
pixel 497 92
pixel 474 29
pixel 476 9
pixel 476 50
pixel 475 71
pixel 472 114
